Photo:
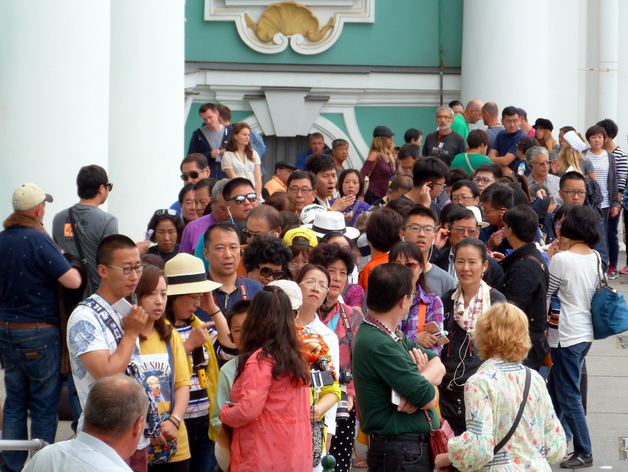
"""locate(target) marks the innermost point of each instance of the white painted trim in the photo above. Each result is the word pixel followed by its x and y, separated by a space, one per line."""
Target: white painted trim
pixel 353 129
pixel 343 11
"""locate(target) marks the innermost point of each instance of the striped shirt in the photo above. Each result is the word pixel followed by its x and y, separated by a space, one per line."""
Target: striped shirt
pixel 199 402
pixel 601 165
pixel 621 161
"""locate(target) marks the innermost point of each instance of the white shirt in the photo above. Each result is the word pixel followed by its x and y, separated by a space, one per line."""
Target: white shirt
pixel 88 332
pixel 85 454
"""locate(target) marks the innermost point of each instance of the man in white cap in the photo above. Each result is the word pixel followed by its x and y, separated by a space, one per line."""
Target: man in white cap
pixel 30 339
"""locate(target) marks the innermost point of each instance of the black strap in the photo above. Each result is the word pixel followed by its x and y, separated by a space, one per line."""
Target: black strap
pixel 345 318
pixel 171 361
pixel 105 316
pixel 543 266
pixel 526 391
pixel 75 235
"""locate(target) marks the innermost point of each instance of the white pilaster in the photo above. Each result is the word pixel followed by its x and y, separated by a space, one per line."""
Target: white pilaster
pixel 609 58
pixel 54 96
pixel 146 109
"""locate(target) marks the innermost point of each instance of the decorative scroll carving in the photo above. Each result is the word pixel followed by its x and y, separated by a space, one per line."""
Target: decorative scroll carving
pixel 289 19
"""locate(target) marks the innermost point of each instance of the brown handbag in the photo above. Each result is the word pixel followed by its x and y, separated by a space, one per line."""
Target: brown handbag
pixel 439 438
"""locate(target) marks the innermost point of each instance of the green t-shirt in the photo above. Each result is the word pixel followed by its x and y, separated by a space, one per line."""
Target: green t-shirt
pixel 474 159
pixel 381 365
pixel 461 126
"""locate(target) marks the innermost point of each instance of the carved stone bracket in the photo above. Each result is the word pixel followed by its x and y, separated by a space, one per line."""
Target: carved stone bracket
pixel 298 25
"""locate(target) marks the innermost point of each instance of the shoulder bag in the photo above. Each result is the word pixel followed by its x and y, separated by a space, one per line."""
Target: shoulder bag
pixel 609 313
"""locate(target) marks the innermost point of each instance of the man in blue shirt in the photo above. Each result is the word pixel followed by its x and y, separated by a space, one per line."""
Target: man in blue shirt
pixel 505 152
pixel 317 144
pixel 30 339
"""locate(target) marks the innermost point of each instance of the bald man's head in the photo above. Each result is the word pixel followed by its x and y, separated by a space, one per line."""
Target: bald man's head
pixel 473 112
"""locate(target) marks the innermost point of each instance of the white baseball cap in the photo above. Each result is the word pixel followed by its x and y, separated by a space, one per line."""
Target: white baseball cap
pixel 28 196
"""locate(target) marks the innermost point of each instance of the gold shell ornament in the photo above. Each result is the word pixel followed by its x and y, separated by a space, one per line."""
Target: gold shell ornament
pixel 289 19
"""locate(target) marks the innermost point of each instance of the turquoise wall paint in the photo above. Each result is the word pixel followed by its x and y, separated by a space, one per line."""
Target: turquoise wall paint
pixel 337 119
pixel 398 119
pixel 405 33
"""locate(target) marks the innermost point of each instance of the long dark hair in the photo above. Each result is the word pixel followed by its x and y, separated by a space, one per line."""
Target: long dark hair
pixel 147 285
pixel 270 326
pixel 411 251
pixel 232 146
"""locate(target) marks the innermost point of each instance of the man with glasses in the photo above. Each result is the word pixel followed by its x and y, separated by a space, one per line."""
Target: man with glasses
pixel 428 179
pixel 537 159
pixel 419 226
pixel 444 143
pixel 526 277
pixel 505 152
pixel 239 193
pixel 462 223
pixel 465 192
pixel 78 230
pixel 103 331
pixel 193 168
pixel 487 174
pixel 302 186
pixel 495 201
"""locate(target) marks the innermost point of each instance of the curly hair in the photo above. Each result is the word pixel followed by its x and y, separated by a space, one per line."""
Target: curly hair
pixel 326 254
pixel 270 326
pixel 502 332
pixel 176 221
pixel 266 249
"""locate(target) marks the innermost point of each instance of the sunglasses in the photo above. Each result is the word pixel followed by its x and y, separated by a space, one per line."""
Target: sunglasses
pixel 240 199
pixel 166 211
pixel 190 175
pixel 267 272
pixel 109 186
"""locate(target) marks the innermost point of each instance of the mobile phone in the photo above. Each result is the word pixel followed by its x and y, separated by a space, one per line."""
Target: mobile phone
pixel 395 398
pixel 134 299
pixel 149 234
pixel 431 186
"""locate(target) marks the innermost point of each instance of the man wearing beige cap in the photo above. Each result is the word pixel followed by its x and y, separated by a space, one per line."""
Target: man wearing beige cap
pixel 30 339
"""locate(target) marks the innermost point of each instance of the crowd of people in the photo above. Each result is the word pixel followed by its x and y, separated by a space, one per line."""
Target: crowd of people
pixel 449 278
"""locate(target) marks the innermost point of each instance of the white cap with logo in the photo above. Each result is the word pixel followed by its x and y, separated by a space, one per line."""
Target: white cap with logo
pixel 28 196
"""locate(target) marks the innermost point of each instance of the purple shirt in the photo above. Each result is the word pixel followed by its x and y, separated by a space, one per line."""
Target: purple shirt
pixel 433 312
pixel 193 231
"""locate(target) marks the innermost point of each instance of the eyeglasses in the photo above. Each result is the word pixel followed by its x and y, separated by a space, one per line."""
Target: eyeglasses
pixel 128 270
pixel 240 199
pixel 488 212
pixel 250 234
pixel 571 193
pixel 311 285
pixel 166 211
pixel 296 190
pixel 190 175
pixel 442 186
pixel 407 170
pixel 109 186
pixel 267 272
pixel 296 265
pixel 412 265
pixel 542 163
pixel 473 233
pixel 198 299
pixel 484 180
pixel 558 224
pixel 461 198
pixel 412 295
pixel 415 228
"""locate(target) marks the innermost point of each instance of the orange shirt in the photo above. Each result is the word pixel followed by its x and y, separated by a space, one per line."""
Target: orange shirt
pixel 363 279
pixel 275 185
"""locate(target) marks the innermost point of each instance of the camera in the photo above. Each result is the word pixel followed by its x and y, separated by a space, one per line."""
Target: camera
pixel 439 151
pixel 342 411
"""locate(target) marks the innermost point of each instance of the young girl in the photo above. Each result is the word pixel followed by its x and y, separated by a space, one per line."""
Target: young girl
pixel 164 368
pixel 240 159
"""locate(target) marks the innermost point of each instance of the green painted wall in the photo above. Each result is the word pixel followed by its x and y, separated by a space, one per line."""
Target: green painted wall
pixel 398 119
pixel 405 33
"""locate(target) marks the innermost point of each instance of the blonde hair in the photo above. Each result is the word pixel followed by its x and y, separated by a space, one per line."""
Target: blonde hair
pixel 569 157
pixel 549 142
pixel 380 145
pixel 502 332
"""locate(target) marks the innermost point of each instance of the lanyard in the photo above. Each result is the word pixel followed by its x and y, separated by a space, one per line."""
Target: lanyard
pixel 345 320
pixel 244 294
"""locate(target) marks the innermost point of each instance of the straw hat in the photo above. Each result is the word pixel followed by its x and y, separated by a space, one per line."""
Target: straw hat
pixel 186 274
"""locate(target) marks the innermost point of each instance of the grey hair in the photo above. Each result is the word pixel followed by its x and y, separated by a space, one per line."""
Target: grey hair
pixel 114 404
pixel 339 142
pixel 533 151
pixel 217 190
pixel 445 108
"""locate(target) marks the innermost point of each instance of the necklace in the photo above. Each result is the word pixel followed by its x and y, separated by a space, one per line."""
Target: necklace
pixel 573 244
pixel 378 324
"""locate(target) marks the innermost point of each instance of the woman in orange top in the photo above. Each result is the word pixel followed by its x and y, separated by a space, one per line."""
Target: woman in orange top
pixel 270 401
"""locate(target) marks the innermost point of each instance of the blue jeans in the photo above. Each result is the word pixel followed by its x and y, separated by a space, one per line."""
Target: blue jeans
pixel 32 360
pixel 399 456
pixel 201 447
pixel 566 371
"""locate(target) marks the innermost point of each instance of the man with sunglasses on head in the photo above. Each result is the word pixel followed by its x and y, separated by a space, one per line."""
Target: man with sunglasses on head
pixel 193 168
pixel 78 230
pixel 103 331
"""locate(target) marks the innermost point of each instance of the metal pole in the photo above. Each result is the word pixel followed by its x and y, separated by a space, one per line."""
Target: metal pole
pixel 441 48
pixel 22 445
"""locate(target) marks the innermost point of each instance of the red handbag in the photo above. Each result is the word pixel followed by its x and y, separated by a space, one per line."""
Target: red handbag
pixel 439 438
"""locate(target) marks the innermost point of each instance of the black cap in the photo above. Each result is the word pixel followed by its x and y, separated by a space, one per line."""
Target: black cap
pixel 543 123
pixel 284 165
pixel 383 131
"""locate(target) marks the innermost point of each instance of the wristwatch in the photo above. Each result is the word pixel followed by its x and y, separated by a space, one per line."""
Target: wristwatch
pixel 176 417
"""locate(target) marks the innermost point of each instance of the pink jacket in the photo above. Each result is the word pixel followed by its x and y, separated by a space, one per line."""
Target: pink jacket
pixel 271 421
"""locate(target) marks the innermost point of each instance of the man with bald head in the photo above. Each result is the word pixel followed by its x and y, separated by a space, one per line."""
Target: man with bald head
pixel 490 117
pixel 471 114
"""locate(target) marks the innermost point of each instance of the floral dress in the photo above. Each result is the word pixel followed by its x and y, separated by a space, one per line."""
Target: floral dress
pixel 492 398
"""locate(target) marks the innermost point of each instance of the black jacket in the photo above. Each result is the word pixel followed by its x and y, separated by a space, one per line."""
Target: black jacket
pixel 199 144
pixel 461 361
pixel 525 285
pixel 494 274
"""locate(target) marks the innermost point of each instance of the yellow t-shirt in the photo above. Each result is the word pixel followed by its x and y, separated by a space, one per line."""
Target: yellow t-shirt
pixel 155 371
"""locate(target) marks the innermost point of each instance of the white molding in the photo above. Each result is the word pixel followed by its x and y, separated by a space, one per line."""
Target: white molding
pixel 342 11
pixel 353 129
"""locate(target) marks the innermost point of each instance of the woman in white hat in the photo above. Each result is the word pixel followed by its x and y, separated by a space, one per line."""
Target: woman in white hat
pixel 189 289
